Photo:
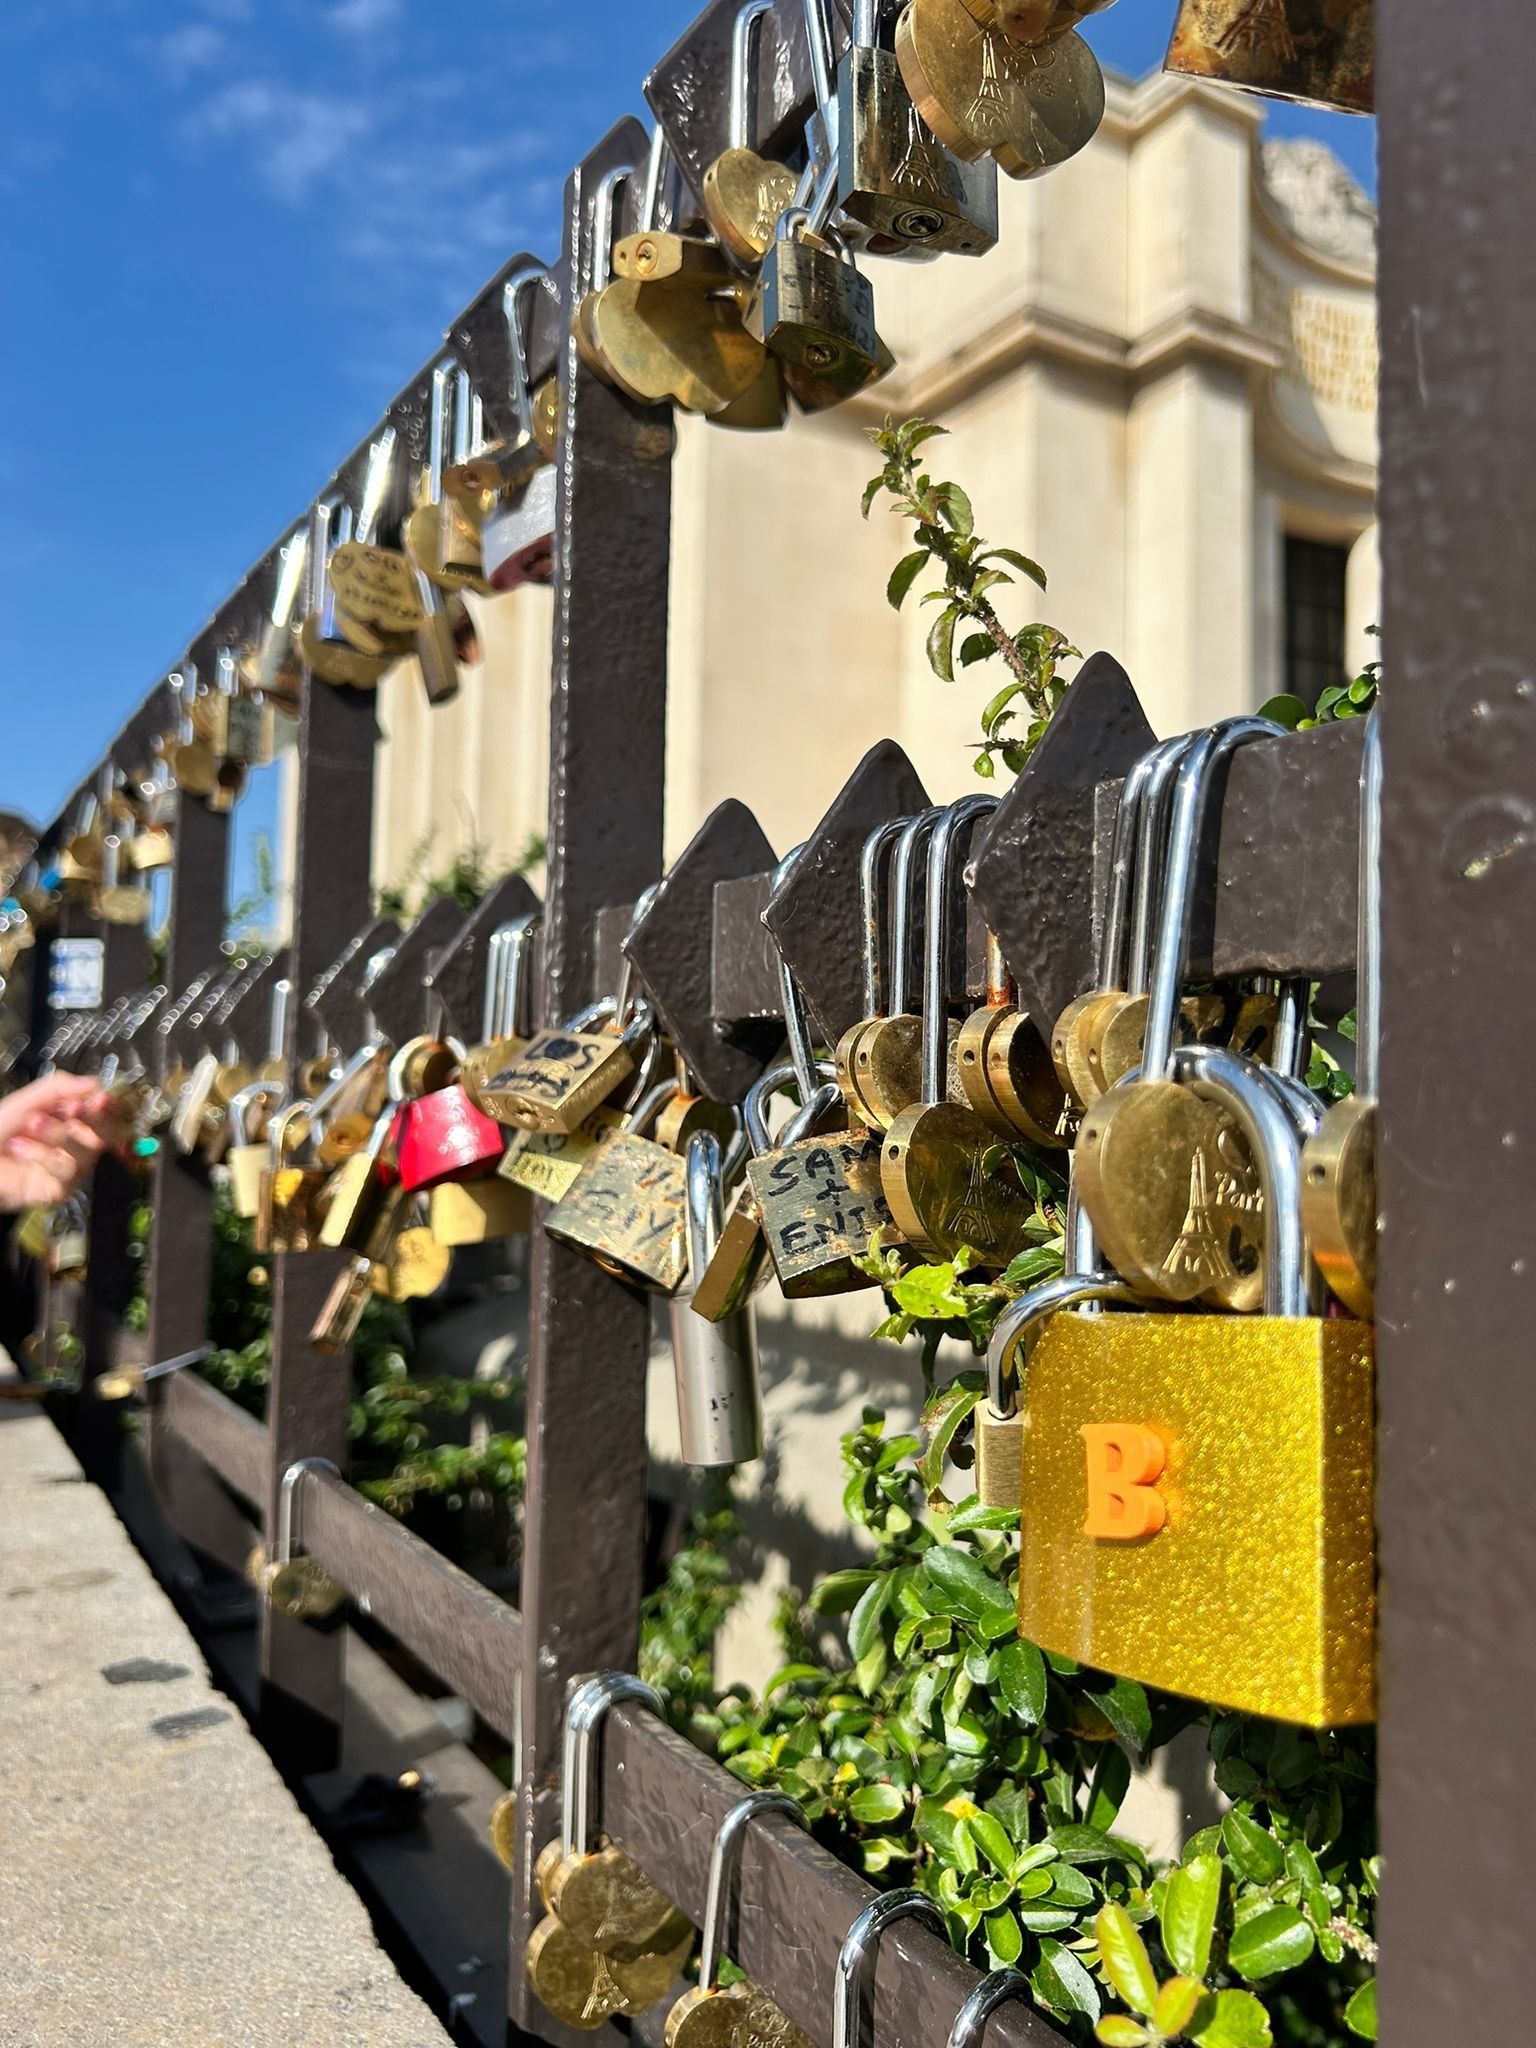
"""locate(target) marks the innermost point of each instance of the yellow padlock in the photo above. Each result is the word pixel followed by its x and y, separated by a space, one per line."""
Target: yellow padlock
pixel 1196 1492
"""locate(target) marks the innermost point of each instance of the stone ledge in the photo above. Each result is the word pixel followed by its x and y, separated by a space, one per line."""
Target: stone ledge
pixel 159 1888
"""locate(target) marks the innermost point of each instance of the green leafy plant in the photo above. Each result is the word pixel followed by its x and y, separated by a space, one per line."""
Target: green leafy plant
pixel 467 877
pixel 944 529
pixel 1340 700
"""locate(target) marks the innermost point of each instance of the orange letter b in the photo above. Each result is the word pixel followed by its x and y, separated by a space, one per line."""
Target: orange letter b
pixel 1123 1460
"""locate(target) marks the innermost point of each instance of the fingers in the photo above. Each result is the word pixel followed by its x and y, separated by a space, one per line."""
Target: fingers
pixel 45 1167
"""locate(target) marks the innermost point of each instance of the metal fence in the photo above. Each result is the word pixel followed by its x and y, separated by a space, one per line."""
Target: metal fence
pixel 1456 1516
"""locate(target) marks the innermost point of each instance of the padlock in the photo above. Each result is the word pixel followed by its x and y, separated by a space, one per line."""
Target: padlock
pixel 248 1156
pixel 341 1313
pixel 1321 52
pixel 880 1060
pixel 275 671
pixel 599 1894
pixel 477 478
pixel 117 901
pixel 325 647
pixel 948 1180
pixel 813 308
pixel 1164 1173
pixel 517 541
pixel 479 1211
pixel 363 1199
pixel 547 1162
pixel 1338 1162
pixel 506 1019
pixel 820 1198
pixel 710 2013
pixel 981 93
pixel 1004 1066
pixel 288 1204
pixel 294 1585
pixel 714 1362
pixel 627 1207
pixel 1197 1491
pixel 562 1076
pixel 743 193
pixel 440 1134
pixel 893 173
pixel 233 726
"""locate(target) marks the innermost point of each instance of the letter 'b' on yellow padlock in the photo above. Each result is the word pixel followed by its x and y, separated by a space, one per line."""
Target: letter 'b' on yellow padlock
pixel 1196 1506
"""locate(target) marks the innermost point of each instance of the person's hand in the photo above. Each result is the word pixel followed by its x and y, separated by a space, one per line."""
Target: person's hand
pixel 52 1132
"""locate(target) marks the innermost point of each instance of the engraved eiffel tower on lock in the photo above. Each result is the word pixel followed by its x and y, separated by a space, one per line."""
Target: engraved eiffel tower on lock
pixel 1262 27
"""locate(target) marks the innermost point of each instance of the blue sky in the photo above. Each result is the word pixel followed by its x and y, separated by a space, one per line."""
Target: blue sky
pixel 231 229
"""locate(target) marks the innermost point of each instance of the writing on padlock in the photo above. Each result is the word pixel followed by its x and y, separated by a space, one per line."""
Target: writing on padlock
pixel 627 1207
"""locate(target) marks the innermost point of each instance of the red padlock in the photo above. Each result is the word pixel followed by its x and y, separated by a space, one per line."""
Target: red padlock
pixel 442 1136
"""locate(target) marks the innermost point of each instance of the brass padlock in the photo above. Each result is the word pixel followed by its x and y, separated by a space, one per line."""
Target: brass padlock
pixel 814 308
pixel 1321 52
pixel 297 1586
pixel 476 1212
pixel 288 1203
pixel 1197 1491
pixel 627 1207
pixel 248 1157
pixel 819 1198
pixel 561 1076
pixel 547 1162
pixel 981 93
pixel 743 193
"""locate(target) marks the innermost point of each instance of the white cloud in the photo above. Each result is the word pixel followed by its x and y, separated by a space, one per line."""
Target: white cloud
pixel 195 46
pixel 297 138
pixel 362 17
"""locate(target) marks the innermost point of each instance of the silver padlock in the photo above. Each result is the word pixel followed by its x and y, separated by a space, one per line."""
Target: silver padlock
pixel 518 543
pixel 719 1395
pixel 893 173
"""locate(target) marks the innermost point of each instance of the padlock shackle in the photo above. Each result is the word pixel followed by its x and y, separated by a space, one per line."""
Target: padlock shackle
pixel 1237 1086
pixel 911 844
pixel 517 349
pixel 855 1959
pixel 589 1706
pixel 444 371
pixel 283 1539
pixel 724 1866
pixel 1192 786
pixel 998 1987
pixel 775 1080
pixel 746 40
pixel 1153 817
pixel 951 841
pixel 874 876
pixel 1020 1323
pixel 797 1023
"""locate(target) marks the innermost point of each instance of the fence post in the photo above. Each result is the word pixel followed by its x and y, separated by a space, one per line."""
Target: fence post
pixel 584 1514
pixel 308 1397
pixel 1458 1178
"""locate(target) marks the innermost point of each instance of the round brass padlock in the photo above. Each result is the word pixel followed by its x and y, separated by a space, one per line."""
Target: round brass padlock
pixel 302 1590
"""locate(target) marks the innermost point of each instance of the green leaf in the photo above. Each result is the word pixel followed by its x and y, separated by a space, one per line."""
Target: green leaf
pixel 955 1581
pixel 976 647
pixel 1116 2031
pixel 1285 710
pixel 993 1840
pixel 1021 1681
pixel 1005 1938
pixel 903 576
pixel 1108 1786
pixel 1258 1856
pixel 1125 1708
pixel 916 432
pixel 871 1667
pixel 1177 2003
pixel 972 1515
pixel 839 1591
pixel 1237 2020
pixel 872 491
pixel 942 1419
pixel 995 706
pixel 1015 560
pixel 1275 1940
pixel 941 643
pixel 1126 1962
pixel 1060 1980
pixel 877 1805
pixel 1190 1901
pixel 1360 2013
pixel 1077 1844
pixel 864 1624
pixel 956 507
